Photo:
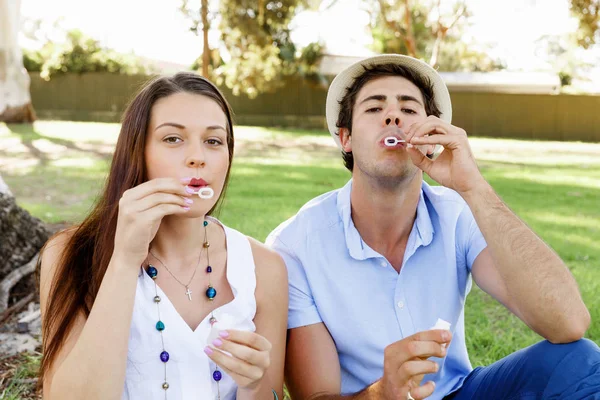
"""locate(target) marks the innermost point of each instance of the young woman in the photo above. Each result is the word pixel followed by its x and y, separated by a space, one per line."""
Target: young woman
pixel 150 297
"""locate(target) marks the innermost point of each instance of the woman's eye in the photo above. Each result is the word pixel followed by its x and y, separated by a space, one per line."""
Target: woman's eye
pixel 214 141
pixel 172 139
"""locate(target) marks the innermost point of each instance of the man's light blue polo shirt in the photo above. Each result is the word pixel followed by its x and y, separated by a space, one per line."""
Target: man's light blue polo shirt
pixel 337 279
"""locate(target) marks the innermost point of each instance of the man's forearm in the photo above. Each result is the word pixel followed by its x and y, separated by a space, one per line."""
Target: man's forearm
pixel 543 289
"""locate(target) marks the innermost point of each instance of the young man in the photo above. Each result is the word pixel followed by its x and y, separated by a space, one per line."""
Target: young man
pixel 374 265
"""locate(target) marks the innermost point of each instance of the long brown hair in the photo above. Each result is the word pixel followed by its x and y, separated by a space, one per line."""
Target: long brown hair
pixel 87 254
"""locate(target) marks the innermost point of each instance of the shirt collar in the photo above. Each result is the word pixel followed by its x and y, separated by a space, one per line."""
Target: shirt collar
pixel 357 248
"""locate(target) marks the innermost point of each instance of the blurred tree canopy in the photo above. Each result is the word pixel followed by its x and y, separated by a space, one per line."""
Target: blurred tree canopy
pixel 78 54
pixel 588 13
pixel 427 29
pixel 256 37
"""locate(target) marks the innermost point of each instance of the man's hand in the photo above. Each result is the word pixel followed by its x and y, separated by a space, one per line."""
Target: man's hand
pixel 455 167
pixel 405 363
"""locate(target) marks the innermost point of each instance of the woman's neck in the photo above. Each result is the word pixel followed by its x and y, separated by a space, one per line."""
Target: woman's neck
pixel 178 242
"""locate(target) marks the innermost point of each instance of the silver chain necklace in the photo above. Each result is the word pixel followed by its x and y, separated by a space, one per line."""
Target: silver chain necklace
pixel 188 292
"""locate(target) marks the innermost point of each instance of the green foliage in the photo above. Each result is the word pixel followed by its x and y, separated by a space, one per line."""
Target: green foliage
pixel 33 61
pixel 308 59
pixel 588 14
pixel 456 55
pixel 215 61
pixel 389 30
pixel 560 51
pixel 257 37
pixel 79 54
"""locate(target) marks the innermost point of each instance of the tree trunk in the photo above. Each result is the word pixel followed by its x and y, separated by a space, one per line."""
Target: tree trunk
pixel 205 48
pixel 410 37
pixel 15 101
pixel 21 237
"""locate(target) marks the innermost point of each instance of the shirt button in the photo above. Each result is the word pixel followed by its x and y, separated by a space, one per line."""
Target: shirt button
pixel 400 304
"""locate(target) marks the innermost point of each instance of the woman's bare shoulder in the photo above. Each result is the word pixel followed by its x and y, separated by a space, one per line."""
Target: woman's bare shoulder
pixel 50 256
pixel 271 272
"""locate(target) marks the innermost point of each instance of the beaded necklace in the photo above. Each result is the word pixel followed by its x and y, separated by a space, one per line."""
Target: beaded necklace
pixel 211 293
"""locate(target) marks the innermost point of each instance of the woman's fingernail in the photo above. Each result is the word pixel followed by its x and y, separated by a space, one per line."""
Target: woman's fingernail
pixel 224 334
pixel 189 190
pixel 409 146
pixel 186 208
pixel 188 200
pixel 218 342
pixel 208 350
pixel 186 180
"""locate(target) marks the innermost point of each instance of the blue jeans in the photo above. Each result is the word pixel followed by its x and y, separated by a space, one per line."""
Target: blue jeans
pixel 542 371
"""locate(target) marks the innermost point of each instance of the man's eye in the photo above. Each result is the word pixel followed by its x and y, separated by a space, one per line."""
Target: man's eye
pixel 409 111
pixel 172 139
pixel 374 109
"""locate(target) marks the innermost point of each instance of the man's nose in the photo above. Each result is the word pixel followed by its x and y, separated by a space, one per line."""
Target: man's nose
pixel 392 120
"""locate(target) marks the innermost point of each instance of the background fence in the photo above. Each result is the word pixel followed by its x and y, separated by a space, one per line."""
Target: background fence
pixel 301 104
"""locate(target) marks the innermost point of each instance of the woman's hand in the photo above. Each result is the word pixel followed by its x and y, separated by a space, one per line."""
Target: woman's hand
pixel 250 356
pixel 141 210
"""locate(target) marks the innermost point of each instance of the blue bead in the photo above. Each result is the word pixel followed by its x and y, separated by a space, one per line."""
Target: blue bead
pixel 209 269
pixel 152 272
pixel 164 356
pixel 160 326
pixel 205 223
pixel 217 376
pixel 211 292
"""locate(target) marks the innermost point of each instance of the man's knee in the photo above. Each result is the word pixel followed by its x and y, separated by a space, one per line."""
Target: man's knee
pixel 580 347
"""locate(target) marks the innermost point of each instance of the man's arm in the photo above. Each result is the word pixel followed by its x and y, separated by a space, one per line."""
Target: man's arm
pixel 517 268
pixel 522 272
pixel 312 369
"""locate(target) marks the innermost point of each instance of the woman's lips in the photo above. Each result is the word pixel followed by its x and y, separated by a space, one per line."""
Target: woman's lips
pixel 197 183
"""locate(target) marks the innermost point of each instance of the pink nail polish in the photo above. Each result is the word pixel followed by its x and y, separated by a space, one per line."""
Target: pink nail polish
pixel 208 350
pixel 186 179
pixel 218 342
pixel 186 208
pixel 189 190
pixel 224 334
pixel 189 201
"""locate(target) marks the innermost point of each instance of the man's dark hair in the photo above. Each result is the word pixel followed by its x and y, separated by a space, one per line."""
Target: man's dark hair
pixel 374 72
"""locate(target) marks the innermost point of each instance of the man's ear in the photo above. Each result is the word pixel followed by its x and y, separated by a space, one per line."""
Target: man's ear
pixel 346 139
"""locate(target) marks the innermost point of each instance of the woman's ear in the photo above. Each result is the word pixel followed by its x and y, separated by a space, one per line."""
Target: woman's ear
pixel 346 139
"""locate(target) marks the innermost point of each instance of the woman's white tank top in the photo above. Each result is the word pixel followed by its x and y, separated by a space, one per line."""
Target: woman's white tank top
pixel 189 370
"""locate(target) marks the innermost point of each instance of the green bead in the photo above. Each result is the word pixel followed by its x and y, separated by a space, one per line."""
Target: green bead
pixel 160 326
pixel 205 223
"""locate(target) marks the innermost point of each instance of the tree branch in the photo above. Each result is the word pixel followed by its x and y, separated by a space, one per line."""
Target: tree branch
pixel 13 278
pixel 409 37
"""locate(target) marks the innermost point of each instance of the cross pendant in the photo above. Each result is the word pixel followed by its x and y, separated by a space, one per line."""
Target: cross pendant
pixel 188 293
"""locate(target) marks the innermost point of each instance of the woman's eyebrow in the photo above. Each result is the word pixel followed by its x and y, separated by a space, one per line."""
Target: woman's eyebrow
pixel 170 124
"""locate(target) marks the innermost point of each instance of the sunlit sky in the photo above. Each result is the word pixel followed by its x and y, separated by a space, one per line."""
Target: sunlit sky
pixel 157 30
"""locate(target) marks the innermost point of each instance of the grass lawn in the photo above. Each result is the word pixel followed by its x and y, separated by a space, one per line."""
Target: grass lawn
pixel 56 169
